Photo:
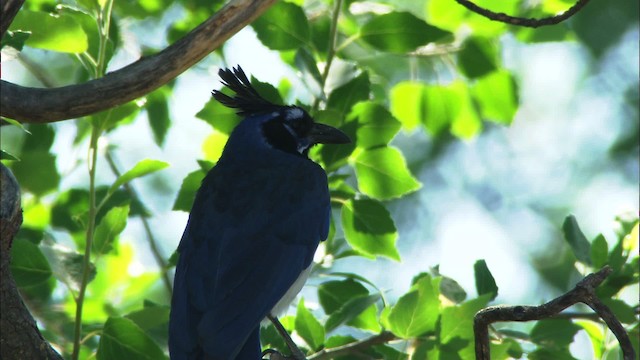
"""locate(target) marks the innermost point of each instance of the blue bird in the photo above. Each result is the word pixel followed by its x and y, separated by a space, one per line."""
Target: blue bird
pixel 254 227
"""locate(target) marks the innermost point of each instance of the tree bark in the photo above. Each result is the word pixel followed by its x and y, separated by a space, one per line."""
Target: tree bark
pixel 19 336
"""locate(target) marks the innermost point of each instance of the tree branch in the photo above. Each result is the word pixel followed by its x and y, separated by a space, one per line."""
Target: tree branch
pixel 9 10
pixel 37 105
pixel 583 292
pixel 520 21
pixel 19 334
pixel 354 347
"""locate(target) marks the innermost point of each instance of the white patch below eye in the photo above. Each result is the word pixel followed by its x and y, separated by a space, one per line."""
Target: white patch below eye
pixel 293 113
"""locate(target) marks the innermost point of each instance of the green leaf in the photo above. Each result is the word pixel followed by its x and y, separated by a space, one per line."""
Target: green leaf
pixel 478 57
pixel 497 96
pixel 576 239
pixel 283 27
pixel 343 98
pixel 350 310
pixel 457 321
pixel 186 195
pixel 417 311
pixel 121 338
pixel 150 317
pixel 15 39
pixel 450 289
pixel 51 32
pixel 399 32
pixel 407 103
pixel 556 332
pixel 142 168
pixel 29 266
pixel 596 335
pixel 623 311
pixel 7 156
pixel 67 265
pixel 369 229
pixel 383 174
pixel 376 125
pixel 485 283
pixel 437 107
pixel 36 172
pixel 599 251
pixel 334 294
pixel 158 113
pixel 220 117
pixel 109 228
pixel 308 327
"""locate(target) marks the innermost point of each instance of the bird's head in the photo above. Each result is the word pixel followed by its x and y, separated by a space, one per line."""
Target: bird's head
pixel 287 128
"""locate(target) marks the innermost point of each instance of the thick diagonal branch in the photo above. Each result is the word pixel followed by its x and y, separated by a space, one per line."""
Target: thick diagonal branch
pixel 37 105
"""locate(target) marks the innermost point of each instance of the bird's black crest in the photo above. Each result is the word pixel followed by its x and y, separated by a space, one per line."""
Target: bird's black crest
pixel 247 101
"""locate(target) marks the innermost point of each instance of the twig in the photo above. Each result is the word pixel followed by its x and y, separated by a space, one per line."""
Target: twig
pixel 583 292
pixel 353 347
pixel 296 353
pixel 153 243
pixel 520 21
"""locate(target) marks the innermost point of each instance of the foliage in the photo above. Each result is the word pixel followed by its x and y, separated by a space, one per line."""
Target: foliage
pixel 386 60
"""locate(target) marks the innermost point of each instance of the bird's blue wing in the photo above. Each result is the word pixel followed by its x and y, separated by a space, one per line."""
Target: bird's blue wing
pixel 247 240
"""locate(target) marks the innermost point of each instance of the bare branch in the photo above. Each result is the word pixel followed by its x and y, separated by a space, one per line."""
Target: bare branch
pixel 520 21
pixel 37 105
pixel 583 292
pixel 19 335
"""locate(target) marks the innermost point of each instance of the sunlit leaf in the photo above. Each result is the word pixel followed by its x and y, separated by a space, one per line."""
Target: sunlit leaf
pixel 121 338
pixel 496 94
pixel 283 27
pixel 29 266
pixel 596 335
pixel 222 118
pixel 369 229
pixel 382 173
pixel 399 32
pixel 376 126
pixel 417 311
pixel 308 327
pixel 213 145
pixel 457 321
pixel 142 168
pixel 51 32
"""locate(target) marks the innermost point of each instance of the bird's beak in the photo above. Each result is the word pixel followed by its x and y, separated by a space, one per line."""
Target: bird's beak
pixel 325 134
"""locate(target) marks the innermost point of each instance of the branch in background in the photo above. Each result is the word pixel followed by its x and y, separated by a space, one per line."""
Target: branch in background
pixel 9 10
pixel 19 334
pixel 520 21
pixel 355 347
pixel 153 243
pixel 36 105
pixel 583 292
